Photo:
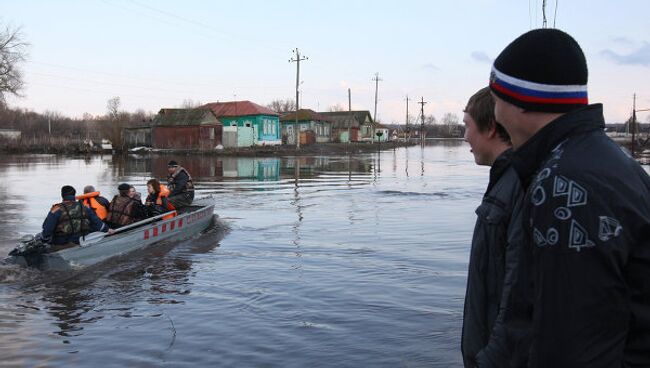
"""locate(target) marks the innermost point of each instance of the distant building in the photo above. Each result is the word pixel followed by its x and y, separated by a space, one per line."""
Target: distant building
pixel 196 128
pixel 313 127
pixel 10 134
pixel 246 123
pixel 353 126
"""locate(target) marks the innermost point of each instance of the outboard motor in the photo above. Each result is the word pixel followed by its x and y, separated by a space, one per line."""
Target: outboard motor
pixel 30 246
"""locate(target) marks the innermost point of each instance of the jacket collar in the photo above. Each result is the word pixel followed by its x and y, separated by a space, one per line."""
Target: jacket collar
pixel 528 158
pixel 499 166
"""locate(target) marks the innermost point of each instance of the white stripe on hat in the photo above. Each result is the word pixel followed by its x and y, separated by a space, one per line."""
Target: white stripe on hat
pixel 538 86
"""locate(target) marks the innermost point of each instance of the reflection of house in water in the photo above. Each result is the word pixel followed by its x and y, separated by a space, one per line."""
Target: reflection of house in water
pixel 313 165
pixel 251 167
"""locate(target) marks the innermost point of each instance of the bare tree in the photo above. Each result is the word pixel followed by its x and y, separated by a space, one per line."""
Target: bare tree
pixel 281 106
pixel 115 118
pixel 451 121
pixel 188 103
pixel 430 120
pixel 336 107
pixel 13 51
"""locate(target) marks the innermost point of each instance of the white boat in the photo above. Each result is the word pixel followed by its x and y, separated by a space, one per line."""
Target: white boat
pixel 98 247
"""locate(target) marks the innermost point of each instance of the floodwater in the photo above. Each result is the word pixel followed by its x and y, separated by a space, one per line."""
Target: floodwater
pixel 315 262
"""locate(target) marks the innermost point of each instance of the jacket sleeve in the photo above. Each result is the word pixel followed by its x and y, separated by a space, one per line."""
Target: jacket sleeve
pixel 179 183
pixel 95 223
pixel 50 224
pixel 509 342
pixel 580 315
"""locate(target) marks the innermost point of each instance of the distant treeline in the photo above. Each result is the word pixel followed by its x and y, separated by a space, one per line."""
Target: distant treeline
pixel 53 132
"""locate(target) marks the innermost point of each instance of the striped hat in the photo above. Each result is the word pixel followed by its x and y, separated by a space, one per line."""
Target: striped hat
pixel 542 70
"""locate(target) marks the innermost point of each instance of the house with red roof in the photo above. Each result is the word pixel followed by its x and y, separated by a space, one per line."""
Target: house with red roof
pixel 254 124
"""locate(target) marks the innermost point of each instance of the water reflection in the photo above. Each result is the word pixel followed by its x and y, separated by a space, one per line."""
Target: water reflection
pixel 349 264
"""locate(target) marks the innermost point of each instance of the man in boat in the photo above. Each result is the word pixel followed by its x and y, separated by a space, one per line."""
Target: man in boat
pixel 124 209
pixel 581 280
pixel 69 220
pixel 490 252
pixel 92 199
pixel 180 185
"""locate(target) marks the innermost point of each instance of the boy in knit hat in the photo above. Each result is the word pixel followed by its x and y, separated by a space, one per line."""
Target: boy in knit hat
pixel 580 293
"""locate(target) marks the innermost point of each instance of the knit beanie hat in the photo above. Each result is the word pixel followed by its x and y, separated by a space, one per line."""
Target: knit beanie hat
pixel 67 190
pixel 542 70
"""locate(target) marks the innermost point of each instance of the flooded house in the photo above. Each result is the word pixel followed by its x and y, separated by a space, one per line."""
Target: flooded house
pixel 313 127
pixel 195 128
pixel 350 126
pixel 246 123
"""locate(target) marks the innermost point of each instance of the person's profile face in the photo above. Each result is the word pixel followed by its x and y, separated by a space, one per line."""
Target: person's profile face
pixel 149 188
pixel 131 192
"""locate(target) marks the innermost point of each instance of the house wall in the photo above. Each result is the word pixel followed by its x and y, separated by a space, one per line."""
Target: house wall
pixel 267 127
pixel 342 134
pixel 322 130
pixel 186 137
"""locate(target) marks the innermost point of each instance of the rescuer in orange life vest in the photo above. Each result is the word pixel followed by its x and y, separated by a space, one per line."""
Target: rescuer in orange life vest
pixel 69 220
pixel 92 199
pixel 156 202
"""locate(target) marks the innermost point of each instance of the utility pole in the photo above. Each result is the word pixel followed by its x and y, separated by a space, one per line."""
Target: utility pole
pixel 633 123
pixel 544 13
pixel 422 103
pixel 297 60
pixel 407 130
pixel 350 116
pixel 377 80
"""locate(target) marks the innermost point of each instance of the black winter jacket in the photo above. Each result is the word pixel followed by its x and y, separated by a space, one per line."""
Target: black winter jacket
pixel 487 257
pixel 583 274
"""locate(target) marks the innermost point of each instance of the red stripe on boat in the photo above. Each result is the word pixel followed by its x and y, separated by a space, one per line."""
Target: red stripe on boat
pixel 146 234
pixel 155 231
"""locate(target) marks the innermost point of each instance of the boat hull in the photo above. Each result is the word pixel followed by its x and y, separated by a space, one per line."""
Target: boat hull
pixel 183 226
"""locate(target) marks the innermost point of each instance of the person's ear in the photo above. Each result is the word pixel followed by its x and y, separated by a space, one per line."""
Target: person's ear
pixel 492 130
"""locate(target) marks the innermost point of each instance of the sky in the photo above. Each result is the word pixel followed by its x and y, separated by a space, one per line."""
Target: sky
pixel 155 54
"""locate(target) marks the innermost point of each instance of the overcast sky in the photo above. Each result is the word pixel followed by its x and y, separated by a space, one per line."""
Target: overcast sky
pixel 155 54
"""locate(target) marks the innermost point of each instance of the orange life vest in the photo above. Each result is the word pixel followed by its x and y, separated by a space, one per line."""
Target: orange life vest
pixel 164 192
pixel 90 200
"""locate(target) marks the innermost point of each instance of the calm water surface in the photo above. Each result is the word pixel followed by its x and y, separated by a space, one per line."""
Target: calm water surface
pixel 315 262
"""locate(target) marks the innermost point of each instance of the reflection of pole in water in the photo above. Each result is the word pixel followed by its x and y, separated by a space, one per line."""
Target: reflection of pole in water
pixel 379 161
pixel 406 163
pixel 422 160
pixel 349 169
pixel 296 202
pixel 394 161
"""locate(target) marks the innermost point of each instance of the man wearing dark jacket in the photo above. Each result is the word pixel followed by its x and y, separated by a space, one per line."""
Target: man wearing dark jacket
pixel 581 282
pixel 180 185
pixel 69 220
pixel 490 145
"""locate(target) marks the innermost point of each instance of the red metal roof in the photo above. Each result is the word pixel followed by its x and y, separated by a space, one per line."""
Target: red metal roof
pixel 238 108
